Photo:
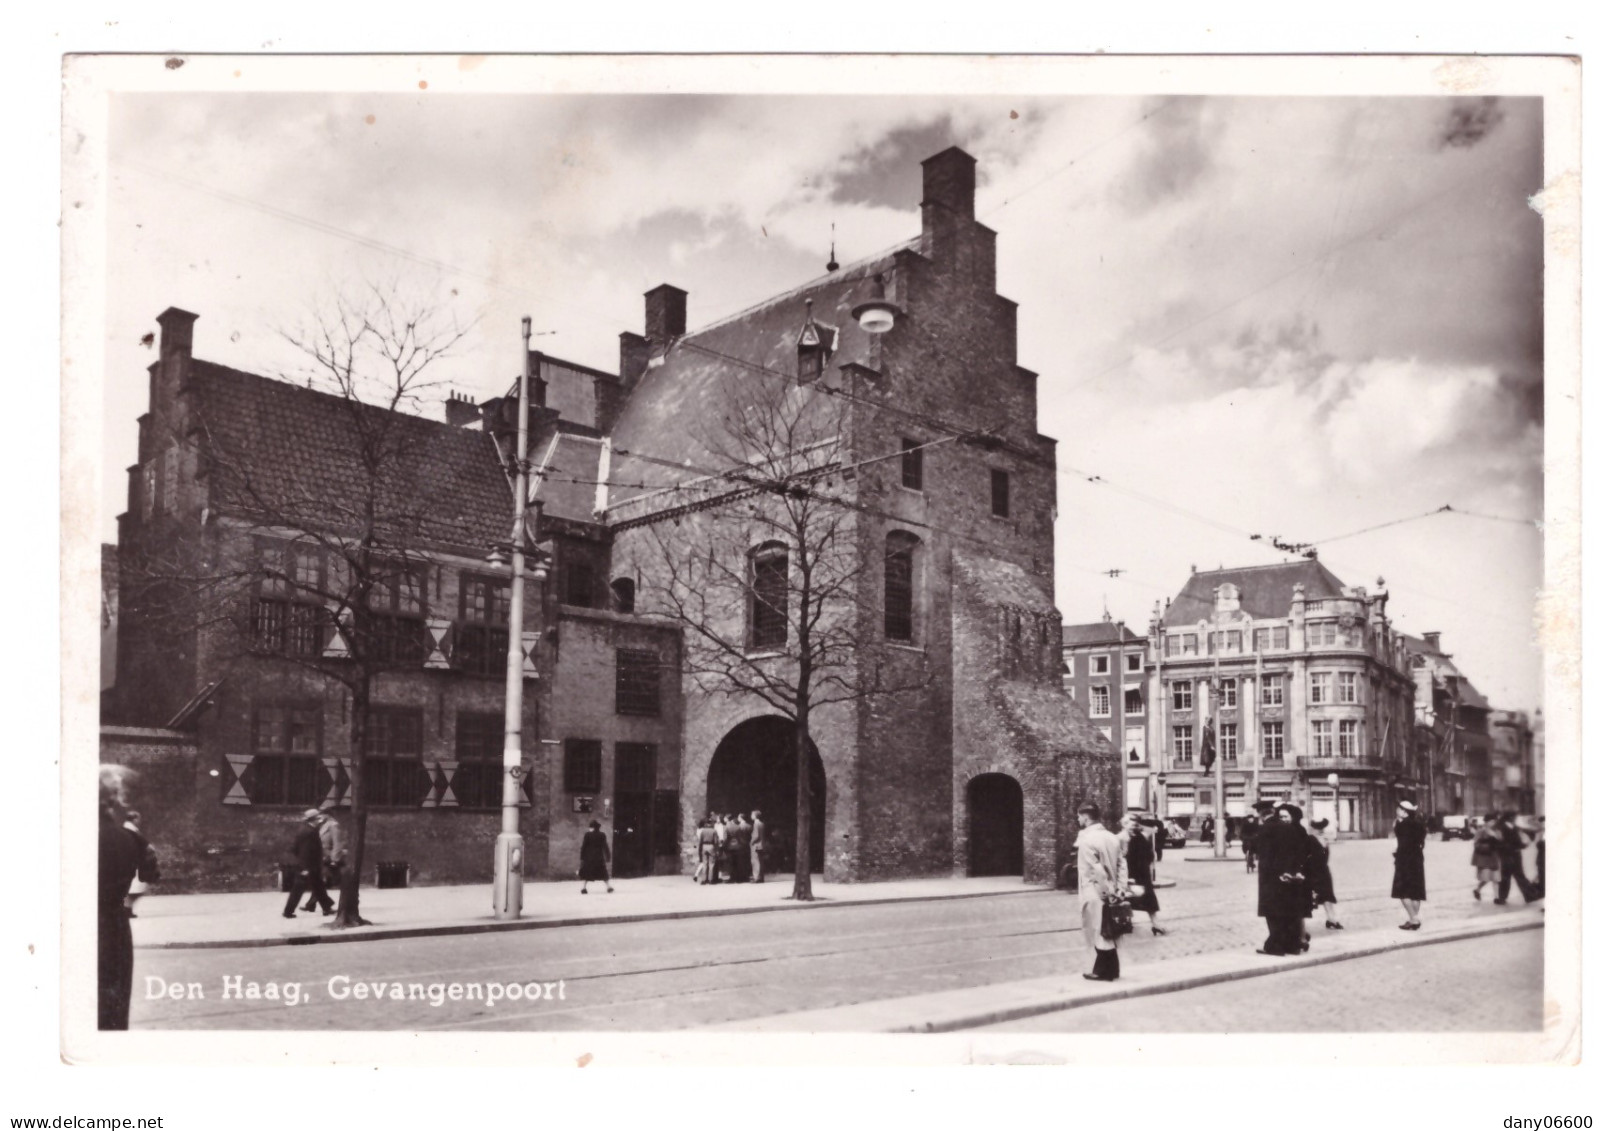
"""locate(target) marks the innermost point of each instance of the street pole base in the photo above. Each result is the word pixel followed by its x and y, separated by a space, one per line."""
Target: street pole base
pixel 507 894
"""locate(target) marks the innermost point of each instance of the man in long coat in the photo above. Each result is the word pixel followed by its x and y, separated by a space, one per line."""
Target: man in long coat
pixel 308 868
pixel 1284 901
pixel 1100 866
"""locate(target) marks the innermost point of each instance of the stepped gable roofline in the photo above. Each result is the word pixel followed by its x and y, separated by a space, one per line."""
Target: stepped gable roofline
pixel 1266 591
pixel 448 491
pixel 1099 632
pixel 683 393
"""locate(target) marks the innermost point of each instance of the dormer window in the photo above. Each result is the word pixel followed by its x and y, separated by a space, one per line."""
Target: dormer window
pixel 814 345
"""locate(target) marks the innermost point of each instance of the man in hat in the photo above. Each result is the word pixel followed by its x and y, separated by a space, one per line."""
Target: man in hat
pixel 1284 850
pixel 308 867
pixel 1511 866
pixel 1099 863
pixel 1251 826
pixel 333 842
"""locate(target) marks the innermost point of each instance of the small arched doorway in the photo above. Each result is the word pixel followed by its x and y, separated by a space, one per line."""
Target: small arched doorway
pixel 996 826
pixel 754 767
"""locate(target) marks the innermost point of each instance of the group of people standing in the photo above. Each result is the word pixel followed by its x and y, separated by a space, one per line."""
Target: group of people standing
pixel 1294 867
pixel 319 862
pixel 731 846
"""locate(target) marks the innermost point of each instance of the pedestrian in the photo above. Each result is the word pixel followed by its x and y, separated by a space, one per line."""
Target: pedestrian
pixel 1206 830
pixel 594 856
pixel 1139 870
pixel 120 856
pixel 1252 825
pixel 1321 887
pixel 741 849
pixel 706 845
pixel 1542 861
pixel 1230 830
pixel 332 841
pixel 308 853
pixel 1511 843
pixel 148 872
pixel 1409 863
pixel 1484 855
pixel 1284 850
pixel 721 846
pixel 759 845
pixel 1099 867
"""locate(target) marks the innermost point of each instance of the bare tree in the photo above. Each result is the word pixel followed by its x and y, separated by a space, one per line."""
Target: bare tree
pixel 318 561
pixel 769 569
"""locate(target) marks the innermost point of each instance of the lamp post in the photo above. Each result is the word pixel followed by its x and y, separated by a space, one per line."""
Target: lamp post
pixel 507 896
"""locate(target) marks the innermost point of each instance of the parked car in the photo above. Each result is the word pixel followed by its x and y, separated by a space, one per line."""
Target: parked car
pixel 1458 828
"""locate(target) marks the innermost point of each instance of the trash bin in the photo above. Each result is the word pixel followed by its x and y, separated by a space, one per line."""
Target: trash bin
pixel 393 873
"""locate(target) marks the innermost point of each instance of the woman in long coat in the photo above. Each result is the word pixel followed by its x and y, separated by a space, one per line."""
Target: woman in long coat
pixel 594 856
pixel 1409 864
pixel 1139 870
pixel 1321 887
pixel 1484 855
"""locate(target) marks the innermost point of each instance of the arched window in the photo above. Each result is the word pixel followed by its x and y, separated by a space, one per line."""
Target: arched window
pixel 901 586
pixel 624 594
pixel 767 611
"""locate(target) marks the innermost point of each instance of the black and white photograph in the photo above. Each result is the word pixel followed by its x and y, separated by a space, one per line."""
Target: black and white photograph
pixel 1082 553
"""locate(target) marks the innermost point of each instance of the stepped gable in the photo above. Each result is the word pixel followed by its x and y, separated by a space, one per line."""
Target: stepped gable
pixel 295 449
pixel 682 397
pixel 1266 591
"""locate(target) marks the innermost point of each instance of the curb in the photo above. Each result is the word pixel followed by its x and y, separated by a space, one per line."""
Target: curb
pixel 492 926
pixel 1302 962
pixel 941 1017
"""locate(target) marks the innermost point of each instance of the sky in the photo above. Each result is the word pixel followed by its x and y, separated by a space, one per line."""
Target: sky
pixel 1290 317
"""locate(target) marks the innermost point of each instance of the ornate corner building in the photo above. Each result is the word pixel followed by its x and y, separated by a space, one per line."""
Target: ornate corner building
pixel 1296 683
pixel 974 766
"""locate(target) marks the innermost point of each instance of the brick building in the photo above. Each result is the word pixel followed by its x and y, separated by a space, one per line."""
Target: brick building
pixel 1305 685
pixel 1105 673
pixel 976 768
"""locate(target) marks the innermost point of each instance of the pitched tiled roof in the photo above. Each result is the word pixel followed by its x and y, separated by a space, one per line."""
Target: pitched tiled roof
pixel 280 452
pixel 1266 591
pixel 1098 632
pixel 675 409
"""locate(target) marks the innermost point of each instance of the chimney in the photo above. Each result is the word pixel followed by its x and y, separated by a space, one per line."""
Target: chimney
pixel 950 183
pixel 1433 640
pixel 634 352
pixel 178 333
pixel 461 410
pixel 665 315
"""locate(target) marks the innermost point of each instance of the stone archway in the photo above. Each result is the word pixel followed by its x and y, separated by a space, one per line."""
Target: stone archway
pixel 996 826
pixel 754 767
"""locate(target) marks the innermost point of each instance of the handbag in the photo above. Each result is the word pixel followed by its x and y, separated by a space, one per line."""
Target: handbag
pixel 1116 919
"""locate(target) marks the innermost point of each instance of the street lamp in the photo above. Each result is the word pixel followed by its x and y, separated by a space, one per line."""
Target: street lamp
pixel 507 895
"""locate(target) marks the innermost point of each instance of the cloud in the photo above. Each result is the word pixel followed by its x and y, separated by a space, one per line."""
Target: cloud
pixel 1470 121
pixel 1176 153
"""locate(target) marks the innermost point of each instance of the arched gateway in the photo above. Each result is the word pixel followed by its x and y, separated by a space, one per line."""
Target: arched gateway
pixel 996 826
pixel 754 767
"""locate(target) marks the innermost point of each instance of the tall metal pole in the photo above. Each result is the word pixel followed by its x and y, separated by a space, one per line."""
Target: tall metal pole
pixel 508 895
pixel 1219 757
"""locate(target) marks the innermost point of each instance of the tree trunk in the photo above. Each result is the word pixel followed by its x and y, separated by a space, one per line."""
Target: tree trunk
pixel 350 913
pixel 802 889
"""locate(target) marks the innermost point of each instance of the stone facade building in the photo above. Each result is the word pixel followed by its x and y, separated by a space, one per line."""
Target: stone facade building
pixel 1452 718
pixel 1300 683
pixel 1514 784
pixel 974 766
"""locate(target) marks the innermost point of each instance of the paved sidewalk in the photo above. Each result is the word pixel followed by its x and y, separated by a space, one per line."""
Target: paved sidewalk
pixel 998 1003
pixel 254 919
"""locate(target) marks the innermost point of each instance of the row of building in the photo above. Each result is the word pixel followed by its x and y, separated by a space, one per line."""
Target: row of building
pixel 1302 690
pixel 940 492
